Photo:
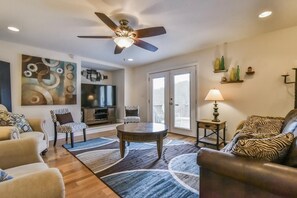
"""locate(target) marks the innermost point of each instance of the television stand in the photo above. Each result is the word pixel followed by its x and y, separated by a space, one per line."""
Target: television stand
pixel 99 115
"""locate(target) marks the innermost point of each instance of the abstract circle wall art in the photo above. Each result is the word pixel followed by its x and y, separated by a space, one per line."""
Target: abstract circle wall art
pixel 48 82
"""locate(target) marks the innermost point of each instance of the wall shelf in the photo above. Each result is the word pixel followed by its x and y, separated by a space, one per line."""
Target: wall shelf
pixel 220 71
pixel 249 72
pixel 238 81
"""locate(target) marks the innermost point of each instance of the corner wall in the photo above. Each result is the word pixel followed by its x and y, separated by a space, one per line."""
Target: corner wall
pixel 264 93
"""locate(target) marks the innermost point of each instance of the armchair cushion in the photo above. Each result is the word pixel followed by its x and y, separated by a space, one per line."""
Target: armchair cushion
pixel 268 149
pixel 4 176
pixel 64 118
pixel 132 112
pixel 71 127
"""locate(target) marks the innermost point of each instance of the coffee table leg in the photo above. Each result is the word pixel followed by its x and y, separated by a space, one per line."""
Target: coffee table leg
pixel 160 145
pixel 122 148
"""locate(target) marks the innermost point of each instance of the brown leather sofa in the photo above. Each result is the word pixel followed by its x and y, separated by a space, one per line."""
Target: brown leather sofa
pixel 226 175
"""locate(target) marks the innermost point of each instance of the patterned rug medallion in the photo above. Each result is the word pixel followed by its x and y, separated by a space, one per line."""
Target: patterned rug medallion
pixel 140 173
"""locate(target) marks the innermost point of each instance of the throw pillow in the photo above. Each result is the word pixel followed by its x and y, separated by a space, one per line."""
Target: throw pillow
pixel 64 118
pixel 4 176
pixel 132 112
pixel 261 124
pixel 291 158
pixel 5 118
pixel 269 149
pixel 244 136
pixel 21 123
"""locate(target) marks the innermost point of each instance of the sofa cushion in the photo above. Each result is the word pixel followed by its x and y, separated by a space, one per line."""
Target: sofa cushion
pixel 291 158
pixel 64 118
pixel 39 136
pixel 4 176
pixel 290 122
pixel 268 149
pixel 261 124
pixel 26 169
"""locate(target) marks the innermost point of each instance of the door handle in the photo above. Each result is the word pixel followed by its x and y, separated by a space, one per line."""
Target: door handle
pixel 176 104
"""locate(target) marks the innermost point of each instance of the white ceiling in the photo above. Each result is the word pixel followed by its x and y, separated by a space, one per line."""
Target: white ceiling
pixel 191 24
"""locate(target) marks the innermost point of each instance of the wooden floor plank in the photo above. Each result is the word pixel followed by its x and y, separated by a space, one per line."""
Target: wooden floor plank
pixel 79 181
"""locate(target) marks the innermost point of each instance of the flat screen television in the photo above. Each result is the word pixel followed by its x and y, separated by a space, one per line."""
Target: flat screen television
pixel 98 95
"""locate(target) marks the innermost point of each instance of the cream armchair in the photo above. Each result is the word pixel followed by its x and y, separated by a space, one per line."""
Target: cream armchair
pixel 31 176
pixel 38 133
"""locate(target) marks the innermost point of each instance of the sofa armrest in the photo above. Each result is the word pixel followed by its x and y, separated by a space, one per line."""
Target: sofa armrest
pixel 18 152
pixel 46 183
pixel 263 175
pixel 8 133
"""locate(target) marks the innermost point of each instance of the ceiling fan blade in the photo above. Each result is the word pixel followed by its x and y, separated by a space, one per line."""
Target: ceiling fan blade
pixel 94 36
pixel 107 20
pixel 118 49
pixel 147 32
pixel 145 45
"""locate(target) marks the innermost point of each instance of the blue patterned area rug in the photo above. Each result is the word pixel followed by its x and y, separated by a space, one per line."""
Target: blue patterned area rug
pixel 140 174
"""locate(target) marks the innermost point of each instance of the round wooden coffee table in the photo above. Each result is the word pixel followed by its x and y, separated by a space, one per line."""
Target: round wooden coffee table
pixel 142 132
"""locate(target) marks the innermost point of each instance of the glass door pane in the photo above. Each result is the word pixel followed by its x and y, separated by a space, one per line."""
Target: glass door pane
pixel 158 100
pixel 182 98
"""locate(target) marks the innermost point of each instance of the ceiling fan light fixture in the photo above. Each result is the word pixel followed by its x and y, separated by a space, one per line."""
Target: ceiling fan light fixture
pixel 123 41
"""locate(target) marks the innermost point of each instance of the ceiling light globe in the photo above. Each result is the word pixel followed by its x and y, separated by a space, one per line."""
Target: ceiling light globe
pixel 124 41
pixel 265 14
pixel 14 29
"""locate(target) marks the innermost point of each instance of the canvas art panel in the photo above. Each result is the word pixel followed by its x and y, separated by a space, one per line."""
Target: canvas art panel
pixel 48 82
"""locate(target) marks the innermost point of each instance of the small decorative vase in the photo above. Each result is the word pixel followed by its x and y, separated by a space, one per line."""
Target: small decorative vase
pixel 238 73
pixel 233 74
pixel 222 63
pixel 217 64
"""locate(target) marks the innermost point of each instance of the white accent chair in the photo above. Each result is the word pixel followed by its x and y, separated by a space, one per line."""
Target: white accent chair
pixel 67 128
pixel 131 114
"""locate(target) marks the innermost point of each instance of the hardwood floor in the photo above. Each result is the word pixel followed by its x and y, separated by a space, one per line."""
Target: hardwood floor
pixel 79 181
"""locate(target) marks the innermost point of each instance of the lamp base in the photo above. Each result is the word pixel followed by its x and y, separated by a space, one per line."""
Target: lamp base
pixel 215 112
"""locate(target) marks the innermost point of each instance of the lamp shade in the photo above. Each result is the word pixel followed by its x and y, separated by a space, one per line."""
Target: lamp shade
pixel 214 95
pixel 123 41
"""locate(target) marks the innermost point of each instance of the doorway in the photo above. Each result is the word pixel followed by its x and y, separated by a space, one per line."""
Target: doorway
pixel 172 100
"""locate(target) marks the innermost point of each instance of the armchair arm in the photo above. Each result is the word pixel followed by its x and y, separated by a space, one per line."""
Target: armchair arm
pixel 263 175
pixel 18 152
pixel 9 132
pixel 46 183
pixel 35 123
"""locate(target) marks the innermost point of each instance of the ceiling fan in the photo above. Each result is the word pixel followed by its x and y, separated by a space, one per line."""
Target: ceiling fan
pixel 125 36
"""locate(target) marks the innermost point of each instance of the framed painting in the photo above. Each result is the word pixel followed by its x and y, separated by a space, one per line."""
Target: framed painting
pixel 48 82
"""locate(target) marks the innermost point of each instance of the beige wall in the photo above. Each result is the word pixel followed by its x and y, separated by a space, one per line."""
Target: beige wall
pixel 264 93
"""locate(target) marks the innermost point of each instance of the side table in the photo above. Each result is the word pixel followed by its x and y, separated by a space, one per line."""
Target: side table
pixel 210 129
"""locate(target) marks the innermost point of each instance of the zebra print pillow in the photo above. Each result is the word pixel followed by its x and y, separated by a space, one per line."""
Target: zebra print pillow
pixel 268 149
pixel 260 124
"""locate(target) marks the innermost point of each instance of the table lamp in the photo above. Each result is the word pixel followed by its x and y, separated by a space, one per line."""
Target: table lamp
pixel 215 95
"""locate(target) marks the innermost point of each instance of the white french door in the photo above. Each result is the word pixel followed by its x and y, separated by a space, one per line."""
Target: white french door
pixel 172 99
